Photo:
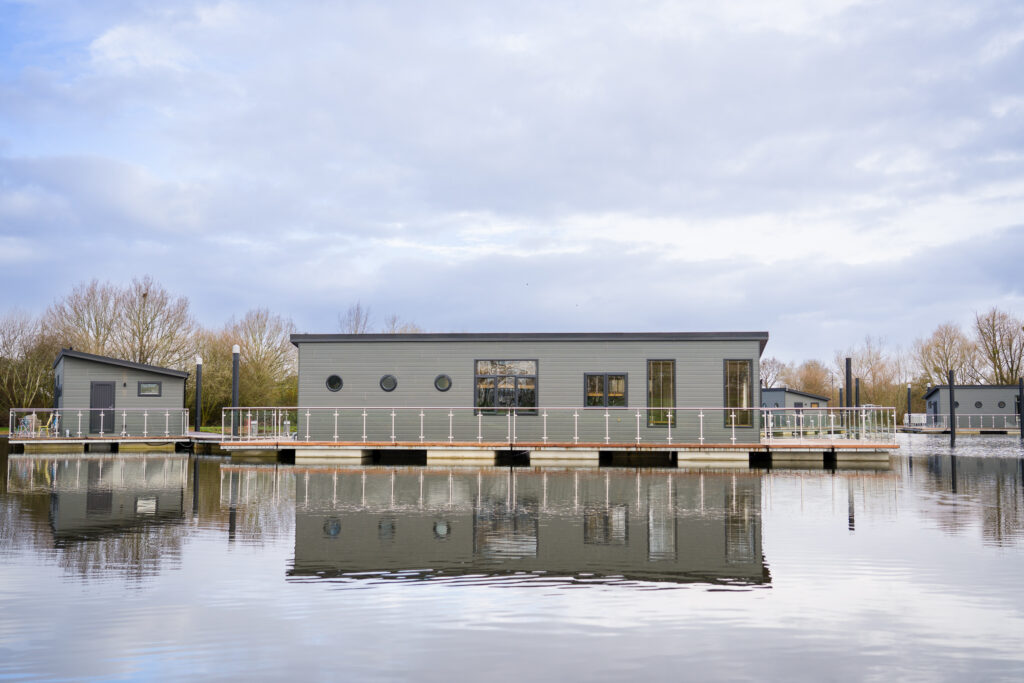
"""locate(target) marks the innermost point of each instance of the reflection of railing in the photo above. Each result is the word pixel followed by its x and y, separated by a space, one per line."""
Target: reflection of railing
pixel 932 421
pixel 110 423
pixel 570 426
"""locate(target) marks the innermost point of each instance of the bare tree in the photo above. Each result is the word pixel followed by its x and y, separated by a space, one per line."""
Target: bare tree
pixel 268 358
pixel 948 348
pixel 878 368
pixel 811 376
pixel 1000 339
pixel 26 362
pixel 155 327
pixel 771 368
pixel 356 319
pixel 395 325
pixel 86 319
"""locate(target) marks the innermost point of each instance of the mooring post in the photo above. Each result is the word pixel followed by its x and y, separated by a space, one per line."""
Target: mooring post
pixel 199 392
pixel 849 381
pixel 1020 406
pixel 952 411
pixel 841 404
pixel 906 423
pixel 235 350
pixel 856 392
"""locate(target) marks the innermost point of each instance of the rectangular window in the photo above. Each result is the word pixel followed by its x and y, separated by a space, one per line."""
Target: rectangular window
pixel 738 392
pixel 661 392
pixel 604 390
pixel 503 384
pixel 150 388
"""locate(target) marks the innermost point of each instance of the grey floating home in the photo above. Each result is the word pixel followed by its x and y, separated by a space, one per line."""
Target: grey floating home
pixel 98 397
pixel 537 391
pixel 784 397
pixel 978 406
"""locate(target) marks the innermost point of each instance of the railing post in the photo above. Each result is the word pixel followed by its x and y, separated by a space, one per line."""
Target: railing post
pixel 733 418
pixel 167 423
pixel 393 437
pixel 336 425
pixel 576 426
pixel 101 423
pixel 638 427
pixel 421 425
pixel 670 416
pixel 544 438
pixel 607 436
pixel 451 426
pixel 364 426
pixel 480 426
pixel 124 423
pixel 307 424
pixel 145 423
pixel 515 414
pixel 701 416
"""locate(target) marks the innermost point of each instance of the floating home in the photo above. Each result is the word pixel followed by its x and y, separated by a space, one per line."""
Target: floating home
pixel 784 397
pixel 102 399
pixel 578 392
pixel 978 406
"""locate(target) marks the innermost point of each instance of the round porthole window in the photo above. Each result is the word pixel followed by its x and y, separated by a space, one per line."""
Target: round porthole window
pixel 388 382
pixel 956 404
pixel 442 382
pixel 334 383
pixel 1002 404
pixel 977 404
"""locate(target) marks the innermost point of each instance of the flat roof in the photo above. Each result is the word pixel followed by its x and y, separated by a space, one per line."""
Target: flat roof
pixel 81 355
pixel 969 386
pixel 796 391
pixel 761 337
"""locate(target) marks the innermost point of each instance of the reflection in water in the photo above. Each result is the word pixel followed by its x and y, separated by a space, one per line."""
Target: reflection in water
pixel 589 524
pixel 119 513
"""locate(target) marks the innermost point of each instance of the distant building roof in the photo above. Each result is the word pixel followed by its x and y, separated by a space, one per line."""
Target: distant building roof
pixel 968 386
pixel 70 353
pixel 795 391
pixel 761 337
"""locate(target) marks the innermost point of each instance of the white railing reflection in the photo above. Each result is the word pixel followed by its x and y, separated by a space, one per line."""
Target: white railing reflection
pixel 109 423
pixel 571 426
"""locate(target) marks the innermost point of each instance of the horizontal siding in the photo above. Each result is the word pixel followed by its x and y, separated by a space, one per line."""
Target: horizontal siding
pixel 561 366
pixel 78 374
pixel 966 397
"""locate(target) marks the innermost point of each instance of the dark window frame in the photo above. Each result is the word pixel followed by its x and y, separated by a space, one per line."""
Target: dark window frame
pixel 726 422
pixel 606 375
pixel 495 410
pixel 159 388
pixel 673 417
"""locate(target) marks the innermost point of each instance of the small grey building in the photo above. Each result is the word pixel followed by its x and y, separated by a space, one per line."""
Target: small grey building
pixel 784 397
pixel 602 388
pixel 974 399
pixel 97 394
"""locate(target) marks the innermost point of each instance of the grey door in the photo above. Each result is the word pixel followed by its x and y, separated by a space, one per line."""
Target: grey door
pixel 101 399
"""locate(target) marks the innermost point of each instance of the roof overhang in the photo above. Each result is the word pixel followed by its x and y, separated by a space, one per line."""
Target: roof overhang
pixel 81 355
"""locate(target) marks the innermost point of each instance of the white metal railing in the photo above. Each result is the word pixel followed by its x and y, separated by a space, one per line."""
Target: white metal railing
pixel 86 423
pixel 989 421
pixel 572 426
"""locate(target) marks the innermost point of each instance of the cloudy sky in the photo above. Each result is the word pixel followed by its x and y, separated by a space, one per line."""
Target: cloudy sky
pixel 821 169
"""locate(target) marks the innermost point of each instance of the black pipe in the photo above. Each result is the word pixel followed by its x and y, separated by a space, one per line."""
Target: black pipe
pixel 952 411
pixel 856 392
pixel 234 389
pixel 199 393
pixel 849 381
pixel 1020 406
pixel 840 397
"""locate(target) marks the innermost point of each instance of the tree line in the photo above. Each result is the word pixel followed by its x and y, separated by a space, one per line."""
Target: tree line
pixel 991 351
pixel 144 323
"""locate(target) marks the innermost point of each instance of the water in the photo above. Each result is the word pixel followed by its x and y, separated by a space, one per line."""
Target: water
pixel 162 566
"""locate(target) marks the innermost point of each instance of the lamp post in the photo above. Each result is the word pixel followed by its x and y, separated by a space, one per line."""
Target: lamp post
pixel 199 393
pixel 235 350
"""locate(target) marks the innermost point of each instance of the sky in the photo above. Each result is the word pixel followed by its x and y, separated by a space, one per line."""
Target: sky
pixel 820 169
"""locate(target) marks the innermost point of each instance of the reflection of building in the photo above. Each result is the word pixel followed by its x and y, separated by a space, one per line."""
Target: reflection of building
pixel 677 527
pixel 93 500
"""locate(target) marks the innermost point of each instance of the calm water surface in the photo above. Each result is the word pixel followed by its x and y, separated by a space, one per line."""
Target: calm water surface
pixel 166 566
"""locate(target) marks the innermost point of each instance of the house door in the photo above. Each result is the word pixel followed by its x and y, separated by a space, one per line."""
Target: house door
pixel 101 399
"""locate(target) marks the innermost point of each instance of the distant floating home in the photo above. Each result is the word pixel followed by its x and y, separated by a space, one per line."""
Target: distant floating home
pixel 784 397
pixel 974 399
